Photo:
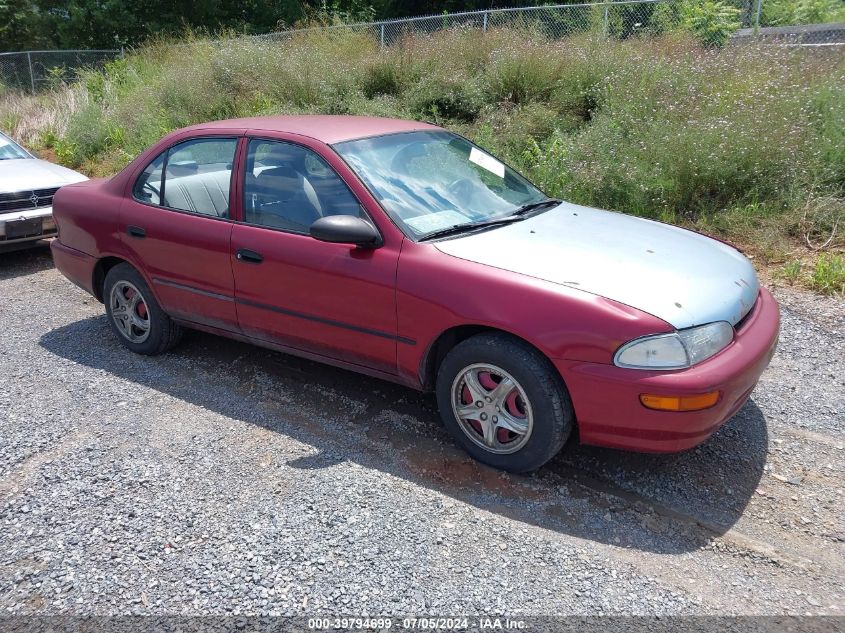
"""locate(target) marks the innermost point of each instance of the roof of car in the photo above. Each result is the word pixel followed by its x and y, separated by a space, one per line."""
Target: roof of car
pixel 327 128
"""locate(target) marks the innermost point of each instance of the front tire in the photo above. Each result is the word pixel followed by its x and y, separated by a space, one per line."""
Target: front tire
pixel 504 402
pixel 134 314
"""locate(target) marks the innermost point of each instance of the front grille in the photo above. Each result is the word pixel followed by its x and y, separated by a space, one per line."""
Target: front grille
pixel 25 200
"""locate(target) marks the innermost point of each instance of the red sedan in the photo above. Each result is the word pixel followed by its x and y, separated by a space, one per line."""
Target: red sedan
pixel 403 251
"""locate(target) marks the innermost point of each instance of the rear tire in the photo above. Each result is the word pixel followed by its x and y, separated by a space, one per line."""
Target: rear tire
pixel 134 314
pixel 504 402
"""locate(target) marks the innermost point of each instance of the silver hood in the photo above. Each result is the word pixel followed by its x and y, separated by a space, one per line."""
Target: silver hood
pixel 25 174
pixel 679 276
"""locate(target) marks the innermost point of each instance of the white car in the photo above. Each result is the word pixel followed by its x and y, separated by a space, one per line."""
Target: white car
pixel 27 185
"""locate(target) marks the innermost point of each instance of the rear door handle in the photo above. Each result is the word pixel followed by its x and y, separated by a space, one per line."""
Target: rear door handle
pixel 246 255
pixel 136 231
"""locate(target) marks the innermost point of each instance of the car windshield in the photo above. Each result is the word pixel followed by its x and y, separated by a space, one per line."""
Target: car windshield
pixel 9 149
pixel 430 181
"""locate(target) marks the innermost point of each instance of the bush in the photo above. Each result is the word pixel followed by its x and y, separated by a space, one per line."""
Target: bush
pixel 383 77
pixel 438 98
pixel 712 21
pixel 789 12
pixel 828 119
pixel 522 74
pixel 685 137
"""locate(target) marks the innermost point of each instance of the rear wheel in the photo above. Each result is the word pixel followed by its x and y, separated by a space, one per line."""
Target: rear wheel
pixel 504 402
pixel 134 314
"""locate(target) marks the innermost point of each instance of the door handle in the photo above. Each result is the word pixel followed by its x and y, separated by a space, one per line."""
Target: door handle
pixel 135 231
pixel 246 255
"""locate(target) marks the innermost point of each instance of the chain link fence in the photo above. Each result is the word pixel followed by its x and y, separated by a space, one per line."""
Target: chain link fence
pixel 621 19
pixel 36 70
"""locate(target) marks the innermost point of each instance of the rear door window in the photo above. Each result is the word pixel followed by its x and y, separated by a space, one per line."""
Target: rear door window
pixel 193 176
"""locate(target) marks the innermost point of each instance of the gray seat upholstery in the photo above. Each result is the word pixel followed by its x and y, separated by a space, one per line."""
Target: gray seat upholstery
pixel 281 197
pixel 206 193
pixel 289 187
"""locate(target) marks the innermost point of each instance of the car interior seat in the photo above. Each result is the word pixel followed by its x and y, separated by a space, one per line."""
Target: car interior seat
pixel 206 193
pixel 278 194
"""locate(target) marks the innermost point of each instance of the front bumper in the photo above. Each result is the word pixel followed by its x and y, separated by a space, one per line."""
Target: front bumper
pixel 26 225
pixel 606 397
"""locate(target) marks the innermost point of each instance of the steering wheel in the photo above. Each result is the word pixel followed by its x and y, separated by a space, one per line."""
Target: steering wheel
pixel 405 155
pixel 149 191
pixel 462 187
pixel 464 190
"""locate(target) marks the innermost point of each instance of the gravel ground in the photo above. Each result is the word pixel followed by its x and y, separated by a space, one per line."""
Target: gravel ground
pixel 226 479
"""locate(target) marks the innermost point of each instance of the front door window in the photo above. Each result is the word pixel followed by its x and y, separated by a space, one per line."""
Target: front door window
pixel 289 187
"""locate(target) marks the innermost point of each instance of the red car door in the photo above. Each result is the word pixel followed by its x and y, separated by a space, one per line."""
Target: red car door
pixel 176 223
pixel 334 300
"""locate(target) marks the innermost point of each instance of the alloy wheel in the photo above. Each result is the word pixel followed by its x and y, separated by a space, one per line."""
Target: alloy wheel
pixel 492 408
pixel 129 312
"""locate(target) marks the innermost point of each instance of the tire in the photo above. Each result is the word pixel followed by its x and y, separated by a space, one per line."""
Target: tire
pixel 134 314
pixel 538 403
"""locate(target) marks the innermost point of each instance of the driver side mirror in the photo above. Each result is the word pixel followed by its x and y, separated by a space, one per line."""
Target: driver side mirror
pixel 346 229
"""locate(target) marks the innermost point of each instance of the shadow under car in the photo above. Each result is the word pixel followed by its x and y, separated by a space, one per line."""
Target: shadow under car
pixel 662 503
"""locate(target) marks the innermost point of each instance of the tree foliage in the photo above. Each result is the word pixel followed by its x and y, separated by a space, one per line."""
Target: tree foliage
pixel 33 24
pixel 29 24
pixel 22 26
pixel 69 24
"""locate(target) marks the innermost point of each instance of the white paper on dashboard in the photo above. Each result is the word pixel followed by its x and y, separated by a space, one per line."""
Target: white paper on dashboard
pixel 487 162
pixel 436 221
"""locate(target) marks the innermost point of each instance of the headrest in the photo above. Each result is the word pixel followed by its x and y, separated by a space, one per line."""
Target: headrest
pixel 281 153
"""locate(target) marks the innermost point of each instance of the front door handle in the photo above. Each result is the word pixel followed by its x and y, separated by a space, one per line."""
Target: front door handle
pixel 246 255
pixel 135 231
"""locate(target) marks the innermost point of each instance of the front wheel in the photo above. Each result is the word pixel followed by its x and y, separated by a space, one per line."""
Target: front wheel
pixel 134 314
pixel 504 402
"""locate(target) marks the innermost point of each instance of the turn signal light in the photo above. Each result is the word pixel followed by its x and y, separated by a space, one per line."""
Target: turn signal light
pixel 680 403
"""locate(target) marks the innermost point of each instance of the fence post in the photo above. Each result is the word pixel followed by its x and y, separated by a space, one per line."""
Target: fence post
pixel 381 38
pixel 757 15
pixel 31 74
pixel 606 19
pixel 484 24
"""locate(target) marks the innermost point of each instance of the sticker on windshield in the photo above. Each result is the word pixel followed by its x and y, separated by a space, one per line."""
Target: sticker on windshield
pixel 487 162
pixel 435 221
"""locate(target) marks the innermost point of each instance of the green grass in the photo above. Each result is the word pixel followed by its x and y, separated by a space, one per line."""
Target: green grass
pixel 746 143
pixel 829 274
pixel 791 271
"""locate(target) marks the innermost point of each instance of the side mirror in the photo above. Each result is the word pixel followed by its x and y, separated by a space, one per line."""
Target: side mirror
pixel 346 229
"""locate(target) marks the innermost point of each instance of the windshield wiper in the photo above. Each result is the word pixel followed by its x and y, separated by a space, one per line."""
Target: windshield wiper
pixel 531 206
pixel 468 226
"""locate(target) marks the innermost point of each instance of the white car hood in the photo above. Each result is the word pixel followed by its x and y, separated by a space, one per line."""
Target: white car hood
pixel 25 174
pixel 681 277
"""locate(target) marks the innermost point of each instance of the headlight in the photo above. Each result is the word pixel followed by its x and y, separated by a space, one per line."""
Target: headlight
pixel 680 349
